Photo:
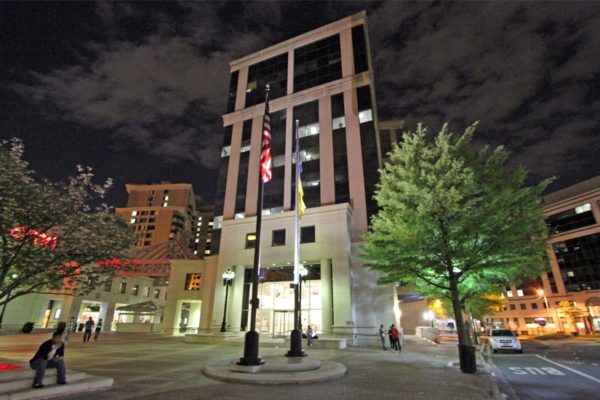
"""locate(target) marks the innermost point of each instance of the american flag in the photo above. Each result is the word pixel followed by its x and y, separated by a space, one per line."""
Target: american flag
pixel 265 154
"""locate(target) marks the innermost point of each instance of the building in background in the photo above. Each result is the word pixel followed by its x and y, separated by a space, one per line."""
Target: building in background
pixel 168 211
pixel 567 297
pixel 324 80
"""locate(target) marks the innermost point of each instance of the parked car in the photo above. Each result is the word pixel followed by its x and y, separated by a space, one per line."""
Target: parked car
pixel 504 339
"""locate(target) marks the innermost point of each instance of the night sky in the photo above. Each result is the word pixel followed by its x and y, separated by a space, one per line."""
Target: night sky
pixel 136 90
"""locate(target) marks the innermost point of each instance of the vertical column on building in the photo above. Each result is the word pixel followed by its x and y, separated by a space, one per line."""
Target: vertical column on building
pixel 253 165
pixel 289 140
pixel 326 295
pixel 596 210
pixel 232 171
pixel 326 152
pixel 342 295
pixel 236 292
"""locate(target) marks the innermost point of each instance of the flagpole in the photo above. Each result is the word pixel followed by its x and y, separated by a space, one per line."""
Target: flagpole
pixel 251 342
pixel 296 334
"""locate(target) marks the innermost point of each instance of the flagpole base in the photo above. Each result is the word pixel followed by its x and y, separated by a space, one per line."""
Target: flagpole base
pixel 251 350
pixel 296 344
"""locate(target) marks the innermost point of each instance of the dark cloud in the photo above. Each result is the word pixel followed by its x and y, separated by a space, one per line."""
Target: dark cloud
pixel 156 74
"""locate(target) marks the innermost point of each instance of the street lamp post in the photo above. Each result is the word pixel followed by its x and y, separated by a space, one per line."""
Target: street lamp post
pixel 302 271
pixel 227 279
pixel 541 293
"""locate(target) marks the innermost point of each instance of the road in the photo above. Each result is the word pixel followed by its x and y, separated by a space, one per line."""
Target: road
pixel 549 370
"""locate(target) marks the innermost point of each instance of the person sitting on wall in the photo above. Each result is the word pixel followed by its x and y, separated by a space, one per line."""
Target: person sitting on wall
pixel 51 354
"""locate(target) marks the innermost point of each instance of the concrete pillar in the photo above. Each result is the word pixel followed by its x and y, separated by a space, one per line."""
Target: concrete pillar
pixel 326 152
pixel 232 171
pixel 236 291
pixel 347 52
pixel 240 96
pixel 289 148
pixel 253 165
pixel 342 294
pixel 326 295
pixel 290 72
pixel 560 284
pixel 356 181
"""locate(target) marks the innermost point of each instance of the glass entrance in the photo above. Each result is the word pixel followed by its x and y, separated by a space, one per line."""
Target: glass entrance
pixel 283 322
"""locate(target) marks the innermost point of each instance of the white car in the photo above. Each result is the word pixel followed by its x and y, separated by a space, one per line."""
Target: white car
pixel 504 339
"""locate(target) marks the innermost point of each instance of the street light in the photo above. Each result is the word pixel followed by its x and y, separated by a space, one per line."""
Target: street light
pixel 227 279
pixel 428 316
pixel 541 293
pixel 302 271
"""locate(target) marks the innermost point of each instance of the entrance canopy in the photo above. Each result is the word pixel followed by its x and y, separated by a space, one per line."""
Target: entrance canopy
pixel 145 307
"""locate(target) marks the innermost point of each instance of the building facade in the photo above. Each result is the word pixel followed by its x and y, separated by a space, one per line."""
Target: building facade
pixel 567 297
pixel 168 211
pixel 324 80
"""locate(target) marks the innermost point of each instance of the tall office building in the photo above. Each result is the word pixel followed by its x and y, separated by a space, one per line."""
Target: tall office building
pixel 567 297
pixel 168 211
pixel 323 79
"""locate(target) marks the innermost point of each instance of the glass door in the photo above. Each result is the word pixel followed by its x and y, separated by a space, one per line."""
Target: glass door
pixel 283 322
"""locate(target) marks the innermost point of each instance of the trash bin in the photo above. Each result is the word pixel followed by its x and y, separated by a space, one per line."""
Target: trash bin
pixel 466 355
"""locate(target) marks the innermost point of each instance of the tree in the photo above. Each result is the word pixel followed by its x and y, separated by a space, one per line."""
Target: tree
pixel 52 234
pixel 572 312
pixel 456 222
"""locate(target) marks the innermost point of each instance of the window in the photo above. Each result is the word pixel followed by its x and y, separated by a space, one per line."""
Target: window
pixel 308 115
pixel 146 291
pixel 233 83
pixel 192 281
pixel 272 71
pixel 134 213
pixel 578 260
pixel 250 240
pixel 146 243
pixel 516 321
pixel 307 234
pixel 534 306
pixel 368 141
pixel 512 306
pixel 123 288
pixel 278 237
pixel 523 306
pixel 340 159
pixel 577 217
pixel 108 286
pixel 135 289
pixel 273 192
pixel 317 63
pixel 359 47
pixel 151 227
pixel 156 293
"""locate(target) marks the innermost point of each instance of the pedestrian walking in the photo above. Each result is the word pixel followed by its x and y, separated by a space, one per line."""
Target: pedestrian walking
pixel 98 330
pixel 382 336
pixel 390 337
pixel 89 326
pixel 395 338
pixel 309 335
pixel 71 327
pixel 50 354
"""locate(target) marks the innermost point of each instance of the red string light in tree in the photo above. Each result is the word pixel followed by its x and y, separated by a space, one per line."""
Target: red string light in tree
pixel 39 238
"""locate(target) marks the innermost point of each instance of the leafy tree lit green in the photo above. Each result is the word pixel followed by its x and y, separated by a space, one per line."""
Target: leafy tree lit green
pixel 454 221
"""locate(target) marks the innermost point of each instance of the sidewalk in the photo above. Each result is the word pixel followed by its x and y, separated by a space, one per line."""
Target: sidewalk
pixel 156 367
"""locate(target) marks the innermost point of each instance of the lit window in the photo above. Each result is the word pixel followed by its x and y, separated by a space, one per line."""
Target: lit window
pixel 519 292
pixel 133 213
pixel 199 218
pixel 250 240
pixel 197 235
pixel 244 149
pixel 195 251
pixel 132 221
pixel 226 152
pixel 583 208
pixel 165 204
pixel 308 130
pixel 211 223
pixel 156 293
pixel 239 216
pixel 146 291
pixel 207 252
pixel 197 240
pixel 166 197
pixel 365 116
pixel 339 122
pixel 509 293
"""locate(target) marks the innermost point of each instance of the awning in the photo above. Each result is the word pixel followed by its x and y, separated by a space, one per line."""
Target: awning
pixel 145 307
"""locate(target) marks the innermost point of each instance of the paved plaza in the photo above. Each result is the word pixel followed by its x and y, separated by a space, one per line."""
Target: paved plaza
pixel 159 367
